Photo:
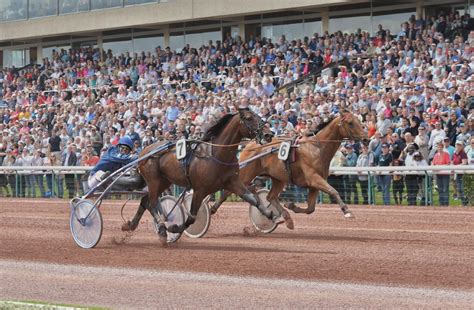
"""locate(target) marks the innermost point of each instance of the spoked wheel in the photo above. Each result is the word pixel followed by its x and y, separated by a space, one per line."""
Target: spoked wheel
pixel 260 221
pixel 174 217
pixel 86 223
pixel 203 218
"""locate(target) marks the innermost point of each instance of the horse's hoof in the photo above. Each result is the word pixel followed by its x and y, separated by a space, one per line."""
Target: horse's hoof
pixel 175 229
pixel 162 235
pixel 279 219
pixel 348 215
pixel 289 223
pixel 127 226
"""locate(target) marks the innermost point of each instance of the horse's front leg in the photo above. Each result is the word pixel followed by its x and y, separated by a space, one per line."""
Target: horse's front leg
pixel 312 196
pixel 219 203
pixel 133 224
pixel 319 183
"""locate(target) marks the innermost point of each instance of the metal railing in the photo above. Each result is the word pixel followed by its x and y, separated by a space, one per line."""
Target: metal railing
pixel 49 181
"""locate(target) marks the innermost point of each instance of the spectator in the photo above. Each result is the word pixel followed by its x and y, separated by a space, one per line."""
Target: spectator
pixel 442 178
pixel 336 181
pixel 385 180
pixel 460 158
pixel 422 141
pixel 38 177
pixel 10 160
pixel 365 159
pixel 398 184
pixel 350 180
pixel 70 160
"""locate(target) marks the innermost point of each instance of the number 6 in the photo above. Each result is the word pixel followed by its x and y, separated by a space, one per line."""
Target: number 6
pixel 283 152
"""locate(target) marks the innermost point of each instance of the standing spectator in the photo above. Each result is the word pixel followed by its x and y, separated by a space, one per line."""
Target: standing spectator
pixel 365 159
pixel 70 160
pixel 351 180
pixel 470 152
pixel 385 180
pixel 398 184
pixel 460 158
pixel 336 181
pixel 9 161
pixel 55 144
pixel 442 178
pixel 52 160
pixel 413 181
pixel 26 160
pixel 38 176
pixel 436 134
pixel 448 147
pixel 422 140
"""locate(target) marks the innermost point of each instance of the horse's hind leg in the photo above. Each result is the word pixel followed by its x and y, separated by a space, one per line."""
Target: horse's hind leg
pixel 317 182
pixel 312 196
pixel 133 224
pixel 236 186
pixel 272 197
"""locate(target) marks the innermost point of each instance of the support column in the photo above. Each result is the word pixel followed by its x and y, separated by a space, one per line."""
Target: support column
pixel 325 19
pixel 166 37
pixel 100 46
pixel 241 26
pixel 39 53
pixel 420 11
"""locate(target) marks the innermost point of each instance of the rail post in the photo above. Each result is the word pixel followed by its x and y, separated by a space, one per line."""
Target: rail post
pixel 16 184
pixel 427 188
pixel 53 183
pixel 369 187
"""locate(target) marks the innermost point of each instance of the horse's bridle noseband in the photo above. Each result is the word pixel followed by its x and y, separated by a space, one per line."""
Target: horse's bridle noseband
pixel 257 133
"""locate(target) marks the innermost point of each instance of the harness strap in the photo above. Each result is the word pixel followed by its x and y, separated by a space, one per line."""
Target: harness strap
pixel 294 141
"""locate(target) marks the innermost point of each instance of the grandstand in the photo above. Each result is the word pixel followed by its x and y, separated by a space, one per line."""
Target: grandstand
pixel 30 30
pixel 78 75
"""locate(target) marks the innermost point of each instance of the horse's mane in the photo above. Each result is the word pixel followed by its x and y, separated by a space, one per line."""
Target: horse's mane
pixel 216 129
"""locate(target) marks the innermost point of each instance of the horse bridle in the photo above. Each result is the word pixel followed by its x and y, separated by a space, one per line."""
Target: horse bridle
pixel 349 133
pixel 256 133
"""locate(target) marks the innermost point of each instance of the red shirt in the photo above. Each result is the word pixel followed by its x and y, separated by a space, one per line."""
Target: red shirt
pixel 441 159
pixel 458 157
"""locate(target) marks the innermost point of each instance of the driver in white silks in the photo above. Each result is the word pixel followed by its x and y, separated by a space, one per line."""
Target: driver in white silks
pixel 115 158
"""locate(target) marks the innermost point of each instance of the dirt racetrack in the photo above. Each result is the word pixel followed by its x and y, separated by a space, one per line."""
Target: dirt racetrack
pixel 385 257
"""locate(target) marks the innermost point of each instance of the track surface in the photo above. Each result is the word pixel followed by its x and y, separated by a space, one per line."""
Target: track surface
pixel 385 257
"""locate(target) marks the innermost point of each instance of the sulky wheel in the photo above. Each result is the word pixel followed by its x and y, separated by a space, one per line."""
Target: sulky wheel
pixel 203 218
pixel 260 221
pixel 174 215
pixel 85 223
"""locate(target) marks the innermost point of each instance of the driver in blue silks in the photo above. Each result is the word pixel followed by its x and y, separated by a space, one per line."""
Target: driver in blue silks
pixel 114 159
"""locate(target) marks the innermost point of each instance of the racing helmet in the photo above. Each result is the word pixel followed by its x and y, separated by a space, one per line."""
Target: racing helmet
pixel 126 141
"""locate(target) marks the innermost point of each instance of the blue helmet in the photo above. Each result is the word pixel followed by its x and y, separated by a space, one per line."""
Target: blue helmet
pixel 126 141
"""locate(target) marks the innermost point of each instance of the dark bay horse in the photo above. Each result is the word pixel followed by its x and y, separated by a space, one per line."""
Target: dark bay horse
pixel 309 170
pixel 214 166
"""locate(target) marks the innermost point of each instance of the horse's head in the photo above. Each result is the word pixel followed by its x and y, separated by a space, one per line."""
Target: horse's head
pixel 350 126
pixel 254 127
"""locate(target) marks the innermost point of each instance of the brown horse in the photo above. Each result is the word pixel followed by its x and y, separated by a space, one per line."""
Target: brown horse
pixel 213 166
pixel 309 170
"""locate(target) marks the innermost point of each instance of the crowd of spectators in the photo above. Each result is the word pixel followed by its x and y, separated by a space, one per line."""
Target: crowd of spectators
pixel 412 90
